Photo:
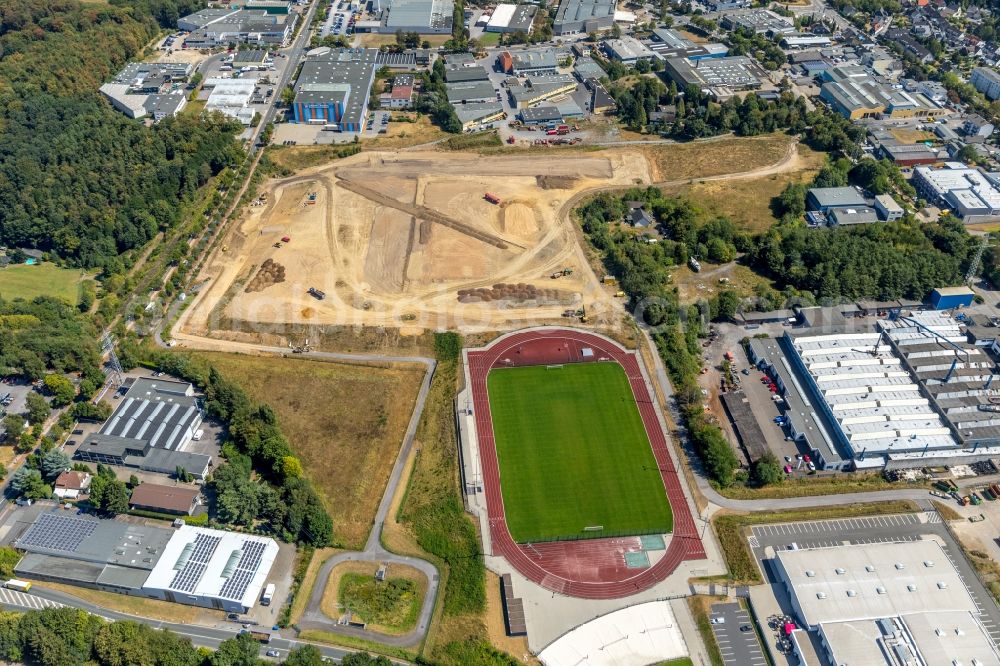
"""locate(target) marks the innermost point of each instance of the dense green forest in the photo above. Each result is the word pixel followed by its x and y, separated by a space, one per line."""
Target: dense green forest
pixel 71 637
pixel 48 333
pixel 78 179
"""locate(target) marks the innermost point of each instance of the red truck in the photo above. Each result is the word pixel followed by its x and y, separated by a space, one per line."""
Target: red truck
pixel 492 198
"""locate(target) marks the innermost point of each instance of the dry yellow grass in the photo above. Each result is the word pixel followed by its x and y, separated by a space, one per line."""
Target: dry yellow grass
pixel 693 286
pixel 904 135
pixel 309 580
pixel 149 608
pixel 331 606
pixel 701 159
pixel 373 40
pixel 404 134
pixel 346 423
pixel 748 202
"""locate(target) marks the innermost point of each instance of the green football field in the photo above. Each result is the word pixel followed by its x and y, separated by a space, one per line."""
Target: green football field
pixel 573 454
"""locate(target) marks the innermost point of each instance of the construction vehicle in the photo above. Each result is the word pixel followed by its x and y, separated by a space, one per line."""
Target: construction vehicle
pixel 511 140
pixel 694 264
pixel 619 294
pixel 316 293
pixel 966 500
pixel 277 245
pixel 492 198
pixel 285 239
pixel 569 313
pixel 558 274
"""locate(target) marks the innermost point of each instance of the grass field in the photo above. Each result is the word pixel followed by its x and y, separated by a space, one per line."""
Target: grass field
pixel 390 606
pixel 346 423
pixel 573 453
pixel 701 159
pixel 44 279
pixel 748 202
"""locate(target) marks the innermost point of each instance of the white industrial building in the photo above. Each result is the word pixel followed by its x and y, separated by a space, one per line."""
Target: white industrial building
pixel 869 397
pixel 232 98
pixel 189 565
pixel 913 391
pixel 212 568
pixel 885 604
pixel 970 194
pixel 512 18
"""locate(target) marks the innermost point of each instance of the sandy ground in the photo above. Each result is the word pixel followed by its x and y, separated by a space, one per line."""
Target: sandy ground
pixel 394 236
pixel 412 230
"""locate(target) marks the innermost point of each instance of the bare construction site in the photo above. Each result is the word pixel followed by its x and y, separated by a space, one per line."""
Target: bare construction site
pixel 412 240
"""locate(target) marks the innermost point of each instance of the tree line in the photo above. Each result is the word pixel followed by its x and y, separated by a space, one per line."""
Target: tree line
pixel 72 637
pixel 261 486
pixel 901 259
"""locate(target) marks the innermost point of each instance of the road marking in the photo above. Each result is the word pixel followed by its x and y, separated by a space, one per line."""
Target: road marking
pixel 16 598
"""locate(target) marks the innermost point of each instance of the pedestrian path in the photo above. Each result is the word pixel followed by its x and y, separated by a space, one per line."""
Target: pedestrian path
pixel 24 600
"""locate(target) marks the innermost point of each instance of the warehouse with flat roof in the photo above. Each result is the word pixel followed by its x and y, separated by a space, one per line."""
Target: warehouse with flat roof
pixel 973 195
pixel 426 17
pixel 719 77
pixel 512 18
pixel 189 565
pixel 149 430
pixel 333 88
pixel 885 604
pixel 576 16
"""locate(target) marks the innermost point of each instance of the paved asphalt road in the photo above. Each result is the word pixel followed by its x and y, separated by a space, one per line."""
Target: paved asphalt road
pixel 738 648
pixel 200 636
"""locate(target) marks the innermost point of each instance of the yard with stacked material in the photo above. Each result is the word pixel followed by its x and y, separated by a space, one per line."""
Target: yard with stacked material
pixel 573 453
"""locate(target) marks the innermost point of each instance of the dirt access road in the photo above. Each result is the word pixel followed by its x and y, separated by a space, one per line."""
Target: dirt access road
pixel 407 240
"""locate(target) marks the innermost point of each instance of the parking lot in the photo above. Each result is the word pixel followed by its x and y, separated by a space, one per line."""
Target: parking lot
pixel 735 635
pixel 876 529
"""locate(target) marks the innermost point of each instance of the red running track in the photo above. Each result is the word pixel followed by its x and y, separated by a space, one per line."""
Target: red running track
pixel 560 566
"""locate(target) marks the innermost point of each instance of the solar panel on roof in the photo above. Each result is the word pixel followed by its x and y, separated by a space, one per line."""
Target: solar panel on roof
pixel 57 532
pixel 236 585
pixel 187 578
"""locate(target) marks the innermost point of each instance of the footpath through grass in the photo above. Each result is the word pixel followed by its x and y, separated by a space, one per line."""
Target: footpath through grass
pixel 345 422
pixel 574 453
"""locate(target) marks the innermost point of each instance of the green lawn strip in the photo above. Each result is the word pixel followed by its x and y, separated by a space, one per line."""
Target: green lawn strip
pixel 393 603
pixel 573 453
pixel 43 279
pixel 330 638
pixel 679 661
pixel 740 561
pixel 698 606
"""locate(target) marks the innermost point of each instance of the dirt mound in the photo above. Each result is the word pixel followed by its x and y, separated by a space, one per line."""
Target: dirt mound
pixel 556 182
pixel 512 293
pixel 270 273
pixel 520 220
